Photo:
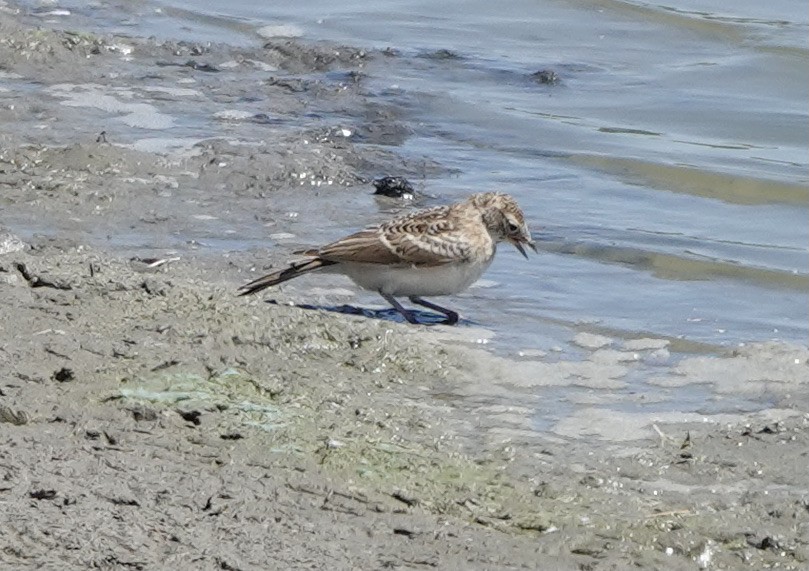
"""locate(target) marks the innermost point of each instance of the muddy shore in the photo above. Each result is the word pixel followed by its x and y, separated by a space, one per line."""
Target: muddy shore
pixel 150 419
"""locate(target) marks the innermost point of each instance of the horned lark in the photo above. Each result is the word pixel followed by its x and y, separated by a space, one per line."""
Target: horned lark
pixel 439 251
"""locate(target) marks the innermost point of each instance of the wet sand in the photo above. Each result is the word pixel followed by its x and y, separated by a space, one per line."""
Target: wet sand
pixel 151 419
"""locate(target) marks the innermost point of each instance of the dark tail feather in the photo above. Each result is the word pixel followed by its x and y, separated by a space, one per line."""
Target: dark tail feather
pixel 280 276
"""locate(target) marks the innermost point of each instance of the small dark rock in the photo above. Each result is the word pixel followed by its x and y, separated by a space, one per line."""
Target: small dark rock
pixel 191 416
pixel 64 375
pixel 43 494
pixel 766 542
pixel 231 436
pixel 770 429
pixel 124 502
pixel 404 531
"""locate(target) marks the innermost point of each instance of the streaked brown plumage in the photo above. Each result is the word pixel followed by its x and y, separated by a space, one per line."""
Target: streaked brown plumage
pixel 439 251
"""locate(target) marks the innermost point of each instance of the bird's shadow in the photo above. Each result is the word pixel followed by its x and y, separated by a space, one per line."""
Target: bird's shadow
pixel 388 314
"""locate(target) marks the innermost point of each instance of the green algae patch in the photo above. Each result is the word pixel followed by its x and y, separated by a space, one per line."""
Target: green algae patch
pixel 440 482
pixel 414 472
pixel 252 402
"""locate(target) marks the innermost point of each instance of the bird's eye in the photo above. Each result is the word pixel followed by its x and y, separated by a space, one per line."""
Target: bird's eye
pixel 513 228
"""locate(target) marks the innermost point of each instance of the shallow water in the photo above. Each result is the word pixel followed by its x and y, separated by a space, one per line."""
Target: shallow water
pixel 665 174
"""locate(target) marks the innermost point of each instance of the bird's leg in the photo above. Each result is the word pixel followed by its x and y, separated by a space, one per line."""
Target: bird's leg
pixel 408 315
pixel 452 317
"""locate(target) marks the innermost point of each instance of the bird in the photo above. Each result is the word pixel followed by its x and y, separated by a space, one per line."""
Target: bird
pixel 434 252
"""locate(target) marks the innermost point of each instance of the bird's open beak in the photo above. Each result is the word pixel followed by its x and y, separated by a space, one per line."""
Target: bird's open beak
pixel 521 248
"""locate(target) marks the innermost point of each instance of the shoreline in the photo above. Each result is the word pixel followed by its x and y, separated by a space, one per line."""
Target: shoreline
pixel 151 418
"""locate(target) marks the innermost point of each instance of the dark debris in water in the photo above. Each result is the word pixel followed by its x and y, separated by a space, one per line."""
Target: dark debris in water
pixel 546 77
pixel 393 186
pixel 264 119
pixel 442 54
pixel 294 56
pixel 193 64
pixel 292 84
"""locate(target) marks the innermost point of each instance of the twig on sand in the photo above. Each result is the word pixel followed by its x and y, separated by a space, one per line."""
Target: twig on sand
pixel 669 513
pixel 663 436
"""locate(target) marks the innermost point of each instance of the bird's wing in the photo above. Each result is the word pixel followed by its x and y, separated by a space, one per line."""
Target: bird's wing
pixel 426 238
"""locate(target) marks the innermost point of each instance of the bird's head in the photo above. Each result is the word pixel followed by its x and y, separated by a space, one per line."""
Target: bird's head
pixel 504 219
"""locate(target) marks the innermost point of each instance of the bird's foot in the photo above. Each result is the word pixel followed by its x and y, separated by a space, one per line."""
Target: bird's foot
pixel 452 316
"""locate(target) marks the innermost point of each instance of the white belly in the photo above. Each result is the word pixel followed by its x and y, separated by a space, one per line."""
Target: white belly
pixel 408 281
